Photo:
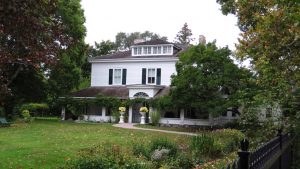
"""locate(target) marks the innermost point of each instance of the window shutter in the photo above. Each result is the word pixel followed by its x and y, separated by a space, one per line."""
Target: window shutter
pixel 110 80
pixel 144 76
pixel 124 76
pixel 158 76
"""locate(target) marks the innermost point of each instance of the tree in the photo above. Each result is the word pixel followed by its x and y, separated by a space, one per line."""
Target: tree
pixel 66 75
pixel 102 48
pixel 205 75
pixel 125 40
pixel 184 36
pixel 270 39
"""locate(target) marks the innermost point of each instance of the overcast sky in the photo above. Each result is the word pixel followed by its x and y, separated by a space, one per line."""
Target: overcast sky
pixel 105 18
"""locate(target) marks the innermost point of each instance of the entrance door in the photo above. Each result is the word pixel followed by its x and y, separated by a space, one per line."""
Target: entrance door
pixel 136 116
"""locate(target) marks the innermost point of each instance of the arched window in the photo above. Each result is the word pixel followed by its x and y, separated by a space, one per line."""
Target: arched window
pixel 141 95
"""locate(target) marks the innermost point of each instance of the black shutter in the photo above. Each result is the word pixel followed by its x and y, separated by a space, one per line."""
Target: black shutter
pixel 124 76
pixel 110 80
pixel 144 76
pixel 158 76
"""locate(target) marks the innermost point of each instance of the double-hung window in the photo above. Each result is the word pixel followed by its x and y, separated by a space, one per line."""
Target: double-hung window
pixel 117 76
pixel 151 76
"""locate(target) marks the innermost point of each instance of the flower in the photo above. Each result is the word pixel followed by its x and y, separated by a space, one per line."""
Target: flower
pixel 144 109
pixel 122 109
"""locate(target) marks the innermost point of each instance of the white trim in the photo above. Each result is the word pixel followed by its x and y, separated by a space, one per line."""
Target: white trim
pixel 147 76
pixel 121 79
pixel 166 59
pixel 151 48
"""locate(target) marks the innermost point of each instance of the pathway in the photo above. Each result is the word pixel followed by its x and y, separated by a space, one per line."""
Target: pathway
pixel 131 126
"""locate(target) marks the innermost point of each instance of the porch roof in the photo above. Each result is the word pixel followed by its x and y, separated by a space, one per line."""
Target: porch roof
pixel 121 92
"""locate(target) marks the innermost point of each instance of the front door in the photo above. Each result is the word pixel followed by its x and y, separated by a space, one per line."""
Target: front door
pixel 136 116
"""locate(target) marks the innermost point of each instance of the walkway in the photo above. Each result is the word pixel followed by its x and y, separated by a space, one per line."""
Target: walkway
pixel 131 126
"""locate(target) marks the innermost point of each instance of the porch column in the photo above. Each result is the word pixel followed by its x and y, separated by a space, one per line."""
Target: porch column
pixel 211 119
pixel 63 113
pixel 229 113
pixel 103 112
pixel 130 114
pixel 182 116
pixel 150 112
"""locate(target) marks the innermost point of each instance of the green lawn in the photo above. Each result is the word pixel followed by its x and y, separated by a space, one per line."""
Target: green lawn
pixel 49 143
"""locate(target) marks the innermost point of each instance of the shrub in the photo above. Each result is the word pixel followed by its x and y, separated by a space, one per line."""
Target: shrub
pixel 26 116
pixel 141 150
pixel 155 117
pixel 205 144
pixel 107 156
pixel 163 143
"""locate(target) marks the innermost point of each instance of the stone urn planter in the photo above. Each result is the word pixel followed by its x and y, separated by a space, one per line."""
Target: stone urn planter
pixel 121 117
pixel 143 117
pixel 143 111
pixel 122 112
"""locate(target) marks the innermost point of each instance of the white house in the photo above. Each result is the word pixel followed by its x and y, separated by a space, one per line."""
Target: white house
pixel 144 71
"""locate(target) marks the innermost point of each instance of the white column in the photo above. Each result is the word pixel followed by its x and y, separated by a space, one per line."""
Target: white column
pixel 103 112
pixel 130 114
pixel 63 113
pixel 211 119
pixel 182 116
pixel 229 113
pixel 150 112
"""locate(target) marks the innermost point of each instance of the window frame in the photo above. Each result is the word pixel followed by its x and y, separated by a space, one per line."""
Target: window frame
pixel 121 75
pixel 147 75
pixel 150 50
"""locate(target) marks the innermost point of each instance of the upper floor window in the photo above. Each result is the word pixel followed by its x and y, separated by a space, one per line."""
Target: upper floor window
pixel 117 76
pixel 152 50
pixel 151 76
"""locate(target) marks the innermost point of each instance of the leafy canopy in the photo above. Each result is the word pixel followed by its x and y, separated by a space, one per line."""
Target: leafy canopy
pixel 205 75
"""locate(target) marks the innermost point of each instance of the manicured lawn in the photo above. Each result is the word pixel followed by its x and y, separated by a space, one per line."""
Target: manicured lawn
pixel 49 143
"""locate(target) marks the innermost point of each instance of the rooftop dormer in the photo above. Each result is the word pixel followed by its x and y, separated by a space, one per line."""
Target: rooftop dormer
pixel 152 48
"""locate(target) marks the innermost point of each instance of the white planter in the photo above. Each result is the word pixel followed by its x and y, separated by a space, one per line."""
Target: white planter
pixel 122 117
pixel 143 117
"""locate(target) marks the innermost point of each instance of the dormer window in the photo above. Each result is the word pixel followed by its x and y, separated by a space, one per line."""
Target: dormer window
pixel 152 50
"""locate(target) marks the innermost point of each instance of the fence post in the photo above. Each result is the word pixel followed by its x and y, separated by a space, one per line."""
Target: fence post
pixel 280 140
pixel 244 154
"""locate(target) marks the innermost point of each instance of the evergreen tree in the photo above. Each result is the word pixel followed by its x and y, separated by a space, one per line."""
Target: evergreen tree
pixel 184 36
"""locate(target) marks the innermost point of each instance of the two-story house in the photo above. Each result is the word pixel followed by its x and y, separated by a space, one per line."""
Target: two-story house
pixel 144 71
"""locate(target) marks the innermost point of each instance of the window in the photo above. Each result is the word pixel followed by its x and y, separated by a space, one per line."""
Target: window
pixel 175 113
pixel 155 50
pixel 151 76
pixel 165 48
pixel 145 50
pixel 139 50
pixel 159 50
pixel 149 50
pixel 135 51
pixel 117 76
pixel 193 113
pixel 169 49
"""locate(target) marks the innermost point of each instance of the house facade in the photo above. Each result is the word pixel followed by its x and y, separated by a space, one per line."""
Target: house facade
pixel 144 71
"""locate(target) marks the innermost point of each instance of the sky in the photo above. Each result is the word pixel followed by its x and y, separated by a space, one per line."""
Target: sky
pixel 105 18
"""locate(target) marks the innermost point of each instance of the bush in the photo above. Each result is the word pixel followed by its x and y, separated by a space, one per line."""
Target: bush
pixel 107 156
pixel 205 144
pixel 155 117
pixel 163 143
pixel 26 116
pixel 141 150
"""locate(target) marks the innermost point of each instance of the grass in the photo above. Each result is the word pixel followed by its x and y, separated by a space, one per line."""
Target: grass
pixel 48 143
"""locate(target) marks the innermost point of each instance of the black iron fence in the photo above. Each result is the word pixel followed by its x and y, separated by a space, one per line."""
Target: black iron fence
pixel 275 154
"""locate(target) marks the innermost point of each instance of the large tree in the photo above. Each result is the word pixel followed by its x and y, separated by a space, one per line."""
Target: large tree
pixel 31 36
pixel 184 36
pixel 125 40
pixel 205 76
pixel 67 74
pixel 270 38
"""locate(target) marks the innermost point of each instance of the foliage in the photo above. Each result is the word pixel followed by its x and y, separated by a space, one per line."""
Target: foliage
pixel 270 39
pixel 34 106
pixel 204 144
pixel 184 35
pixel 107 156
pixel 125 40
pixel 205 76
pixel 155 117
pixel 144 109
pixel 102 48
pixel 33 39
pixel 2 112
pixel 162 103
pixel 26 116
pixel 163 143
